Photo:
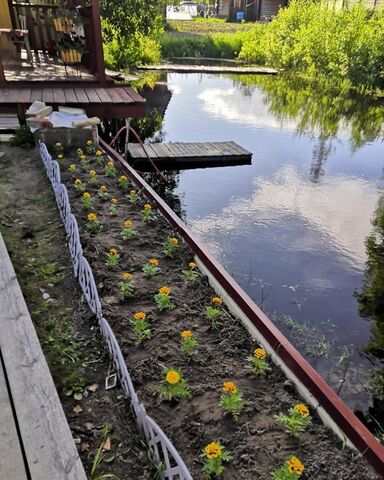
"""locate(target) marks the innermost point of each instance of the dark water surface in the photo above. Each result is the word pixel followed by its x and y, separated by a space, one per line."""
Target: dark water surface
pixel 291 228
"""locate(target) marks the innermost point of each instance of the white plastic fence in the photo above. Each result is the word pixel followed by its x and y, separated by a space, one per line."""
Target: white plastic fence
pixel 163 450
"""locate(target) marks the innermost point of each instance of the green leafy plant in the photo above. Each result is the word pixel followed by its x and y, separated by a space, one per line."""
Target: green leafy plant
pixel 113 207
pixel 123 182
pixel 90 148
pixel 126 286
pixel 170 245
pixel 86 200
pixel 258 362
pixel 99 458
pixel 22 138
pixel 163 299
pixel 189 342
pixel 147 213
pixel 133 197
pixel 99 157
pixel 174 385
pixel 214 312
pixel 110 169
pixel 128 230
pixel 214 455
pixel 297 420
pixel 79 185
pixel 231 399
pixel 113 258
pixel 102 193
pixel 141 327
pixel 291 470
pixel 93 225
pixel 151 268
pixel 191 274
pixel 92 177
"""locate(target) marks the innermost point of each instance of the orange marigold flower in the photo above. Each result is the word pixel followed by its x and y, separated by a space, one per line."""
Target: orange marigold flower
pixel 58 144
pixel 260 353
pixel 86 195
pixel 60 156
pixel 186 334
pixel 132 192
pixel 89 142
pixel 147 206
pixel 294 465
pixel 213 450
pixel 229 387
pixel 110 164
pixel 192 265
pixel 92 217
pixel 92 173
pixel 123 178
pixel 174 240
pixel 302 409
pixel 173 377
pixel 128 224
pixel 113 251
pixel 139 316
pixel 103 188
pixel 98 153
pixel 217 300
pixel 154 262
pixel 113 200
pixel 83 157
pixel 72 166
pixel 127 276
pixel 77 181
pixel 164 291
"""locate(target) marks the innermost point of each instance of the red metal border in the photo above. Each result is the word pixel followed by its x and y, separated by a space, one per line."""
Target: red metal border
pixel 344 418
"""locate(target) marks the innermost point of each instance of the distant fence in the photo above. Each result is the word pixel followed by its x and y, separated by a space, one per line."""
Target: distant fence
pixel 164 451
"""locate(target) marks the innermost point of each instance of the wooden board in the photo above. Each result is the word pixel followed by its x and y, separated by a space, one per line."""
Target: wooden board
pixel 210 69
pixel 9 122
pixel 11 459
pixel 190 155
pixel 48 444
pixel 83 94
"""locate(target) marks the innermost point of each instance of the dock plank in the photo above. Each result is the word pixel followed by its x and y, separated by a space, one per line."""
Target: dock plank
pixel 36 95
pixel 48 444
pixel 11 459
pixel 48 95
pixel 70 95
pixel 81 95
pixel 59 95
pixel 187 155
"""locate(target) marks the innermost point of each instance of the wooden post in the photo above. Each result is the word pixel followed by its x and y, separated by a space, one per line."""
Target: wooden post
pixel 98 46
pixel 3 81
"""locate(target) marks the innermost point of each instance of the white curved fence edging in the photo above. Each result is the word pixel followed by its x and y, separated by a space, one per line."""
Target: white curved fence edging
pixel 163 450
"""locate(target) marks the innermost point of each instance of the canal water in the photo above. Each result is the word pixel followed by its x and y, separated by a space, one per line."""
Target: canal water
pixel 291 228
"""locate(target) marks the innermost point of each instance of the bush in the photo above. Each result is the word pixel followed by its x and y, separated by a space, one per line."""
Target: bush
pixel 22 138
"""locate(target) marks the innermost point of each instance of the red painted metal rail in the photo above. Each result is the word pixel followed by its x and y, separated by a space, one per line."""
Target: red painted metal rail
pixel 339 412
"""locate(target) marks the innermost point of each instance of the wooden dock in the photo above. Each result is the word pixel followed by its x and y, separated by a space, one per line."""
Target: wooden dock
pixel 36 442
pixel 210 69
pixel 182 156
pixel 108 101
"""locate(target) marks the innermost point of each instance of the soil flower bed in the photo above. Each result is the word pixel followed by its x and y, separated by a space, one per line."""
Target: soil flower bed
pixel 226 367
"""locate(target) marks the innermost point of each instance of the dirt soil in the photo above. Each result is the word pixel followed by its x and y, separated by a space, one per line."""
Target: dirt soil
pixel 256 441
pixel 35 238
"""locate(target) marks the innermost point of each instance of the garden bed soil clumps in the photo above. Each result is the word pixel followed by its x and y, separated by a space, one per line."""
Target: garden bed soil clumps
pixel 35 238
pixel 256 441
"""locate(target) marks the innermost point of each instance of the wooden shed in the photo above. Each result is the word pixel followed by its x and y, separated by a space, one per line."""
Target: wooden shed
pixel 254 10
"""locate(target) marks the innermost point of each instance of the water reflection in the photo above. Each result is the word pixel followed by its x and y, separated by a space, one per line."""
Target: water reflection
pixel 291 228
pixel 336 210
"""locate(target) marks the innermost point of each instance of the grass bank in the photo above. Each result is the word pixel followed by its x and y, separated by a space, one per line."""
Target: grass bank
pixel 320 43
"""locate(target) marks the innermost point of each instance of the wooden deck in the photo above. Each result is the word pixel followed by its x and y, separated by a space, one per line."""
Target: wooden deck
pixel 110 101
pixel 44 68
pixel 36 442
pixel 189 155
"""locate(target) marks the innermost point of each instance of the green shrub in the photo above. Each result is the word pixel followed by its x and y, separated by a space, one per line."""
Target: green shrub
pixel 22 138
